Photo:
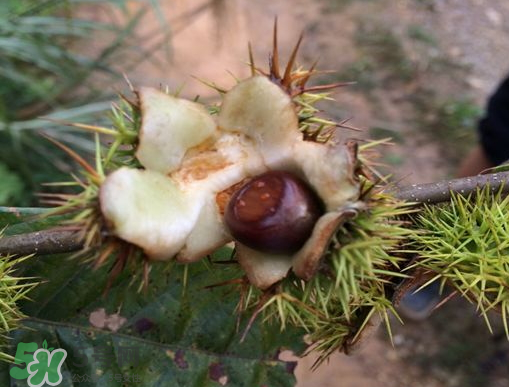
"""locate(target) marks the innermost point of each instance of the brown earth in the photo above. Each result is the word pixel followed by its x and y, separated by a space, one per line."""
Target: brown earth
pixel 421 67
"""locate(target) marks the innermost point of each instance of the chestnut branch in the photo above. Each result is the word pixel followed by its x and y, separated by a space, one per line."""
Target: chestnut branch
pixel 56 241
pixel 52 241
pixel 439 192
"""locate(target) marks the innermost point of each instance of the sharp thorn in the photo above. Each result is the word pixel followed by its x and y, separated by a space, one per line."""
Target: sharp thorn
pixel 210 84
pixel 291 62
pixel 302 82
pixel 251 59
pixel 80 160
pixel 274 65
pixel 327 87
pixel 128 81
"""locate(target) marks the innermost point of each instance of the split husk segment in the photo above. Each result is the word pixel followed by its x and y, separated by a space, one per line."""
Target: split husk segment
pixel 365 255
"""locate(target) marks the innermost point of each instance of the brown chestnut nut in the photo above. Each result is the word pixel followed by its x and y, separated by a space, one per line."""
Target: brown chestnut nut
pixel 274 212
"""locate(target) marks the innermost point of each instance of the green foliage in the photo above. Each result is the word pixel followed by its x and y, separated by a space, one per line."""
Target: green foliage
pixel 177 334
pixel 39 63
pixel 11 186
pixel 57 65
pixel 466 244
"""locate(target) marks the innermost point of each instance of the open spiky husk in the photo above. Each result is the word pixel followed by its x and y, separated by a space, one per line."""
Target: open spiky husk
pixel 352 285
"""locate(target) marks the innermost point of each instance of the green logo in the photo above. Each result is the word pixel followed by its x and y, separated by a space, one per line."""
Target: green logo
pixel 42 364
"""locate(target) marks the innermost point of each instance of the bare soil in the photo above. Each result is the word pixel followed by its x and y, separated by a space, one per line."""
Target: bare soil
pixel 421 67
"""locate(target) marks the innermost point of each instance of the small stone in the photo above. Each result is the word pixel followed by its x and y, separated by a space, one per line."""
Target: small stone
pixel 455 52
pixel 494 17
pixel 476 83
pixel 398 340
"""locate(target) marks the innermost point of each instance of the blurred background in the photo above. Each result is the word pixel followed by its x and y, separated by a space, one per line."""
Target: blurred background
pixel 423 71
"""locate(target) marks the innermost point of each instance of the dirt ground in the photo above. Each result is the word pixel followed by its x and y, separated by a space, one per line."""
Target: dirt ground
pixel 424 69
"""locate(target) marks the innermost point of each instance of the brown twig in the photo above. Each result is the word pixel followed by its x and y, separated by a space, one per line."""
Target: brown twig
pixel 56 241
pixel 51 241
pixel 440 192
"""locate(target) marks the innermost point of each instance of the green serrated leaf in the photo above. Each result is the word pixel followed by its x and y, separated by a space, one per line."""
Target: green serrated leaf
pixel 171 336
